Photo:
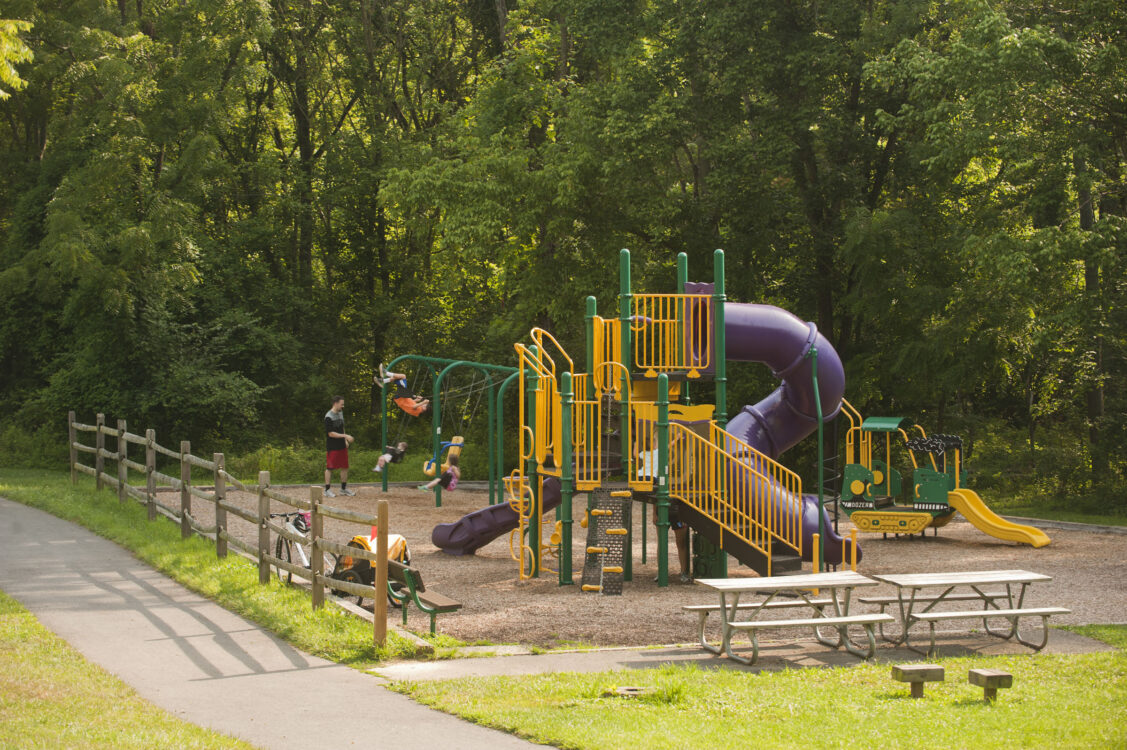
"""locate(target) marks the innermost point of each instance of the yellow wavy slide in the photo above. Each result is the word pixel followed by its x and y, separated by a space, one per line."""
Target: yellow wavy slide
pixel 987 521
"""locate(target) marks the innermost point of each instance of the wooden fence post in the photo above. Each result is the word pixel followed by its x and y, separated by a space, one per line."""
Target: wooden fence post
pixel 220 511
pixel 72 434
pixel 185 490
pixel 263 532
pixel 379 611
pixel 317 558
pixel 100 444
pixel 150 467
pixel 122 455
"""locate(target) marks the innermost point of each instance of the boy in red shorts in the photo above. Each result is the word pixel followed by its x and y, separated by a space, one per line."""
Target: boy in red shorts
pixel 336 448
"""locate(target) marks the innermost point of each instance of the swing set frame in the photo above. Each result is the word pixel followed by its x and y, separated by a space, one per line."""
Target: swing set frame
pixel 497 378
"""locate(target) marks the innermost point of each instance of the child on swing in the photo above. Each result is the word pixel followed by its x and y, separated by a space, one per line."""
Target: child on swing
pixel 404 399
pixel 448 479
pixel 391 455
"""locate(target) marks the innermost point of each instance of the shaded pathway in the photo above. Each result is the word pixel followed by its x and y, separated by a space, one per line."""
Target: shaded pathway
pixel 200 662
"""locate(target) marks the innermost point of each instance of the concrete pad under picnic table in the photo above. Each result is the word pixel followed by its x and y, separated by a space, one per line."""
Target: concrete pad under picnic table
pixel 773 656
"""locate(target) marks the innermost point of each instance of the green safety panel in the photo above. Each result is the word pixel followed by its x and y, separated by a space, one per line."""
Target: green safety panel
pixel 885 424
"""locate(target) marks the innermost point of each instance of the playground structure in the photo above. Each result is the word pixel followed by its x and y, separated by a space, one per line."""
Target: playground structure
pixel 627 424
pixel 872 487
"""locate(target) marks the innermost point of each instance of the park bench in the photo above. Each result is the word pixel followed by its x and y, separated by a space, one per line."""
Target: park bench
pixel 413 589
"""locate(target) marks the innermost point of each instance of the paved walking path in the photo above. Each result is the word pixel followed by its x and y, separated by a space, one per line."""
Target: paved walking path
pixel 200 662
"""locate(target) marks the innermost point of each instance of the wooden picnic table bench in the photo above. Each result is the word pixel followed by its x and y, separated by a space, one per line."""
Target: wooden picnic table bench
pixel 1009 605
pixel 413 589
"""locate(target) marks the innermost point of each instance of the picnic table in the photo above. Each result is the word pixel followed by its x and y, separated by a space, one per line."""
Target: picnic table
pixel 1007 602
pixel 839 586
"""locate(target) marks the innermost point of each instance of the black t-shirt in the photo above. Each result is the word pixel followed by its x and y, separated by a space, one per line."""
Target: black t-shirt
pixel 395 453
pixel 334 422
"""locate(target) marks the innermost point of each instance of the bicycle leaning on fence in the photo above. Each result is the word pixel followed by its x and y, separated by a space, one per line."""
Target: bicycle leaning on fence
pixel 346 568
pixel 298 523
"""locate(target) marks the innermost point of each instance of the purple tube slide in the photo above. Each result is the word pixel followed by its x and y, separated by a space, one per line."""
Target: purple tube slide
pixel 781 340
pixel 475 530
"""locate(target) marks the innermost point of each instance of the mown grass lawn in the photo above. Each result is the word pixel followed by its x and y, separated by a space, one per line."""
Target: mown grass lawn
pixel 1074 701
pixel 1052 514
pixel 51 697
pixel 329 632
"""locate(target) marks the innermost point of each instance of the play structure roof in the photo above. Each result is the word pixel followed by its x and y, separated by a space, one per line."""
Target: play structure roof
pixel 886 424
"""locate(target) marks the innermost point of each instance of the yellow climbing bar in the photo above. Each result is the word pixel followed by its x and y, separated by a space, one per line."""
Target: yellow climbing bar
pixel 617 532
pixel 596 550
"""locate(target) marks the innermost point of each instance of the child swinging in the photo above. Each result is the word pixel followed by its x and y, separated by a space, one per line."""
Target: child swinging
pixel 406 400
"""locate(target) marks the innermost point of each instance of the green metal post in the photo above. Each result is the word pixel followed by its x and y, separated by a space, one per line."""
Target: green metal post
pixel 532 384
pixel 625 314
pixel 589 327
pixel 383 432
pixel 661 480
pixel 719 342
pixel 682 280
pixel 500 469
pixel 565 480
pixel 491 404
pixel 820 563
pixel 436 432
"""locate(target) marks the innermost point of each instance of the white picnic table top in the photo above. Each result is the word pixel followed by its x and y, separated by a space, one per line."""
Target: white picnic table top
pixel 838 579
pixel 967 578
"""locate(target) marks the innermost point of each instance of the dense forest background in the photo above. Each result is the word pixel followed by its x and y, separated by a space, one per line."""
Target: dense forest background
pixel 216 213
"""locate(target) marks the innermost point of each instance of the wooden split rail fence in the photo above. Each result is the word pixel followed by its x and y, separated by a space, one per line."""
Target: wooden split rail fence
pixel 216 495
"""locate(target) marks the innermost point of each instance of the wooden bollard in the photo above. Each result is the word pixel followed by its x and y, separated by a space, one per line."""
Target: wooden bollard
pixel 990 680
pixel 917 675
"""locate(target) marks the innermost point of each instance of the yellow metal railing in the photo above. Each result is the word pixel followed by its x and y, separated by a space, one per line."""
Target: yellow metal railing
pixel 608 353
pixel 672 333
pixel 747 494
pixel 538 366
pixel 858 444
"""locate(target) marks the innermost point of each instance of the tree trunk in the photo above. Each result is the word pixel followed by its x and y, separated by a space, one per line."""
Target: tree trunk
pixel 1095 396
pixel 303 133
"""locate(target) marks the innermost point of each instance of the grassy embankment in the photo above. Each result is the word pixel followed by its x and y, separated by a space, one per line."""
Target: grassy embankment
pixel 232 582
pixel 50 696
